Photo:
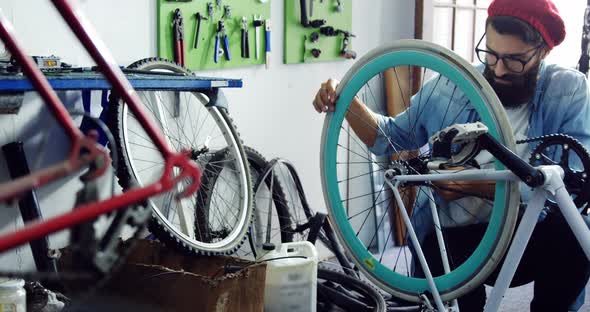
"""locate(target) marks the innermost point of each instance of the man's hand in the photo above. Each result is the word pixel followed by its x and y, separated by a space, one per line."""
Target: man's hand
pixel 325 99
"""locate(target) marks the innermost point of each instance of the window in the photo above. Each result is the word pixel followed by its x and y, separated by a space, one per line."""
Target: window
pixel 458 25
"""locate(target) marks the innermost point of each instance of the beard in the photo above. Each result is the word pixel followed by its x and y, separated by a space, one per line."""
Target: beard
pixel 520 88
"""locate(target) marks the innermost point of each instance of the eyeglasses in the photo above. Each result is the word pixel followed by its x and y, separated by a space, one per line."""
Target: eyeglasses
pixel 513 62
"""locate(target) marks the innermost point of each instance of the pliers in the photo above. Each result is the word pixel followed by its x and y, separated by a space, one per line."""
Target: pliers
pixel 221 33
pixel 178 30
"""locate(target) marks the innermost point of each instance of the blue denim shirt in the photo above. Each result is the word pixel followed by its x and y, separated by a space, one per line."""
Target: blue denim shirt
pixel 560 105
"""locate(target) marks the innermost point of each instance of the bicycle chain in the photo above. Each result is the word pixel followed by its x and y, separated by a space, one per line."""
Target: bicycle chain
pixel 576 181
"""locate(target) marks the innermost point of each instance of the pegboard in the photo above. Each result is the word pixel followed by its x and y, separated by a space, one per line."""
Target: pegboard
pixel 202 57
pixel 295 49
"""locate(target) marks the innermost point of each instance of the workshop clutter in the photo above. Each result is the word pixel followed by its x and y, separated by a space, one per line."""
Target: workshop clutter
pixel 179 282
pixel 219 34
pixel 318 30
pixel 209 35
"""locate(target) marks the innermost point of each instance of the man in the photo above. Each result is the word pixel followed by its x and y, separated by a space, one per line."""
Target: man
pixel 539 99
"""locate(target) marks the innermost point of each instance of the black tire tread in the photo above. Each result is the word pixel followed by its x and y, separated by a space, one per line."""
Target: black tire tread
pixel 126 180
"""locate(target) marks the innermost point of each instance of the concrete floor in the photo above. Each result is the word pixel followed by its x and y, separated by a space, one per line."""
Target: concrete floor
pixel 517 299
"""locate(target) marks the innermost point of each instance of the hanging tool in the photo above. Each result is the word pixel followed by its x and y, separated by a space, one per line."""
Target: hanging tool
pixel 178 30
pixel 329 31
pixel 245 42
pixel 314 52
pixel 339 6
pixel 267 25
pixel 226 12
pixel 210 9
pixel 314 37
pixel 310 8
pixel 218 4
pixel 345 52
pixel 223 36
pixel 305 22
pixel 257 23
pixel 198 28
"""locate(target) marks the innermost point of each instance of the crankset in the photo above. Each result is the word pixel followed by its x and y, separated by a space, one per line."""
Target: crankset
pixel 568 153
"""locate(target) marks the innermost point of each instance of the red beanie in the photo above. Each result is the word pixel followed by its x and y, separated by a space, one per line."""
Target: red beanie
pixel 541 14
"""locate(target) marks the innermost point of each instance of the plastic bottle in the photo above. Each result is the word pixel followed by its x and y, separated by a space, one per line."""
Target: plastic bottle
pixel 291 277
pixel 13 297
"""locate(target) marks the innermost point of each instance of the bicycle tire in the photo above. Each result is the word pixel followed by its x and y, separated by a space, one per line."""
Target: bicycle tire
pixel 290 227
pixel 473 271
pixel 219 240
pixel 369 300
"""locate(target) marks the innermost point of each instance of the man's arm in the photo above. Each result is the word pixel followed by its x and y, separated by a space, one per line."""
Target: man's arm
pixel 453 190
pixel 359 116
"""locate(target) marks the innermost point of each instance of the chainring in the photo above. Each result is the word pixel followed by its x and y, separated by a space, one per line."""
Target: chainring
pixel 568 153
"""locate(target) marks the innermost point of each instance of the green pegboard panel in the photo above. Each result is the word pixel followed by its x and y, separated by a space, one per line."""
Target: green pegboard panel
pixel 295 49
pixel 201 58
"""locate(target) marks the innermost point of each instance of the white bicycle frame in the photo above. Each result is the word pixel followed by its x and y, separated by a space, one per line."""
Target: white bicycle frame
pixel 553 187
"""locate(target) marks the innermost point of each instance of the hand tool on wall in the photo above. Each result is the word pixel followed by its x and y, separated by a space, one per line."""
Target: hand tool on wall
pixel 218 4
pixel 267 25
pixel 314 37
pixel 328 31
pixel 314 51
pixel 178 30
pixel 305 22
pixel 257 24
pixel 226 12
pixel 210 9
pixel 339 6
pixel 345 52
pixel 221 35
pixel 245 48
pixel 199 18
pixel 310 8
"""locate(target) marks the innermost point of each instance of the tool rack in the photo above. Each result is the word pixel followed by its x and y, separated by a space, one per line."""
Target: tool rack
pixel 204 57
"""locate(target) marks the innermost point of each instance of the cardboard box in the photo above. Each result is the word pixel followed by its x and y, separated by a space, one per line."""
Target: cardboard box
pixel 172 281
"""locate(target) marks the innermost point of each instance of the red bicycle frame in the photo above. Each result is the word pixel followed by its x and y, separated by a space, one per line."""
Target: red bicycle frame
pixel 188 169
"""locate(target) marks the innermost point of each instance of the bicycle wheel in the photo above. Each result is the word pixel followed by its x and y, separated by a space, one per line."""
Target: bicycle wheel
pixel 352 177
pixel 291 218
pixel 217 218
pixel 346 292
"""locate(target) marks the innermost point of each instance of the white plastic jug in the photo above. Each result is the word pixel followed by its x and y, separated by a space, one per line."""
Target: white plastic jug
pixel 291 278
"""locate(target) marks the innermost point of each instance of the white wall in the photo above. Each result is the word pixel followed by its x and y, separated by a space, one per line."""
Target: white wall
pixel 568 53
pixel 272 111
